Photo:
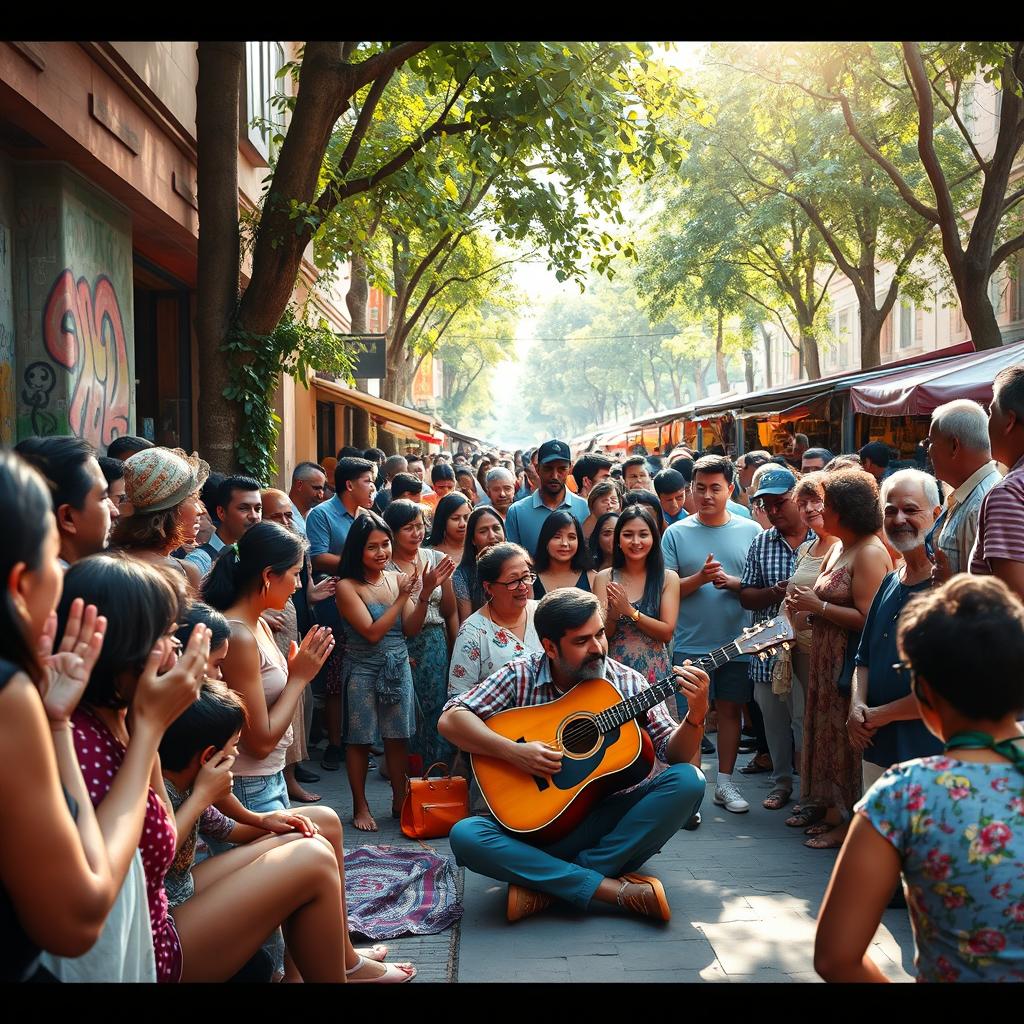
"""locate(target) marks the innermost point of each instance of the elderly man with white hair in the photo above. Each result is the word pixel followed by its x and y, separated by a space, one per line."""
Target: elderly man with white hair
pixel 500 485
pixel 958 444
pixel 884 724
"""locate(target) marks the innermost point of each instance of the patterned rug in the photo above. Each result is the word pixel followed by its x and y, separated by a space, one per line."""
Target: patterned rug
pixel 395 890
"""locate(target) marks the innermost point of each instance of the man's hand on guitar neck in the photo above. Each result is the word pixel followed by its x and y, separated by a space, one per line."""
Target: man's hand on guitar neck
pixel 692 683
pixel 535 758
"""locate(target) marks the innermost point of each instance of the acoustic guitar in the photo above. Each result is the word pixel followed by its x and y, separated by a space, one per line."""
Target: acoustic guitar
pixel 604 748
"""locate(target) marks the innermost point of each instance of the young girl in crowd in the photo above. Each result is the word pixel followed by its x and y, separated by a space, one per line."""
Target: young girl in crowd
pixel 162 485
pixel 429 649
pixel 258 573
pixel 485 528
pixel 561 558
pixel 950 824
pixel 503 628
pixel 448 529
pixel 603 498
pixel 374 603
pixel 602 541
pixel 641 596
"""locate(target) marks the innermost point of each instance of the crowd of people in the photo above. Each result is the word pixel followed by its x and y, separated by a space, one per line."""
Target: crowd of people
pixel 174 639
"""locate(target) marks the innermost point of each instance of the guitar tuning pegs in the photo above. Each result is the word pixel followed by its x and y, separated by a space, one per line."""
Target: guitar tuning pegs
pixel 785 645
pixel 763 655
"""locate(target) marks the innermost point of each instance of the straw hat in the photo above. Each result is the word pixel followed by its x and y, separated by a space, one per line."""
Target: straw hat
pixel 157 479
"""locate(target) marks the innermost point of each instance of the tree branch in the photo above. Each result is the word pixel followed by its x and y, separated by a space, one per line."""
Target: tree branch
pixel 1007 249
pixel 385 61
pixel 951 107
pixel 348 158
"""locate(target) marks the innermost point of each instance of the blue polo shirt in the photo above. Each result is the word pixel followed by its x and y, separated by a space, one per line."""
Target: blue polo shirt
pixel 327 527
pixel 733 506
pixel 525 517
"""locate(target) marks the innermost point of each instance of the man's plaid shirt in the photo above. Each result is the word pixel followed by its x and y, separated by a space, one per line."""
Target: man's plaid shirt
pixel 769 560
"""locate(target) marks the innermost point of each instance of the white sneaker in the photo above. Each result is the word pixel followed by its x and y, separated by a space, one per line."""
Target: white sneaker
pixel 728 796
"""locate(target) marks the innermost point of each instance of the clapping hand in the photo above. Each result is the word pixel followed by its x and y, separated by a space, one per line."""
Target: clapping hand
pixel 709 570
pixel 407 582
pixel 305 659
pixel 161 698
pixel 323 590
pixel 804 599
pixel 618 600
pixel 438 574
pixel 67 671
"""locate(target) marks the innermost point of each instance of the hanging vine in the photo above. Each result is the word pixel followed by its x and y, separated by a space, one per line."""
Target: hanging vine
pixel 294 347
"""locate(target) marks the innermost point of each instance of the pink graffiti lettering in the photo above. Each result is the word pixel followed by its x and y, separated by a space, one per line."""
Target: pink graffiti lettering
pixel 84 333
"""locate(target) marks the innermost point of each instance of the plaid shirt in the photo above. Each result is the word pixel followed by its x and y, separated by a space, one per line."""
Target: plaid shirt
pixel 769 560
pixel 525 682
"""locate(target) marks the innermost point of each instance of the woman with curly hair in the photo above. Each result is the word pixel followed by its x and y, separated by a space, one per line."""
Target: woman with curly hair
pixel 837 604
pixel 162 485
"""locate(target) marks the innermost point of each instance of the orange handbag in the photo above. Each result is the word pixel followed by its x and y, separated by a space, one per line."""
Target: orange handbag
pixel 432 806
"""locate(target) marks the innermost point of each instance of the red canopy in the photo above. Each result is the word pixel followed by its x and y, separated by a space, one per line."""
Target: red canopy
pixel 917 390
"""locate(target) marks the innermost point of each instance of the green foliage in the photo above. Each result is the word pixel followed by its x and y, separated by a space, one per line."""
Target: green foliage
pixel 294 347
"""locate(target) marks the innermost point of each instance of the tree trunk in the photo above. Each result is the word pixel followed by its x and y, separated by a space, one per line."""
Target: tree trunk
pixel 766 339
pixel 217 103
pixel 720 358
pixel 355 299
pixel 748 368
pixel 871 321
pixel 809 356
pixel 976 307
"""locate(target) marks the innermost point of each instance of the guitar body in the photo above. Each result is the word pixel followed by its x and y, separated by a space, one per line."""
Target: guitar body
pixel 594 765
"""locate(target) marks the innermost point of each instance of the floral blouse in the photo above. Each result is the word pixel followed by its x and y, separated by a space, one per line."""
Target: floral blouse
pixel 481 648
pixel 958 827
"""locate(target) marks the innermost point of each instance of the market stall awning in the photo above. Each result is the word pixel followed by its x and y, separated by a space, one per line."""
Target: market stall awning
pixel 383 412
pixel 655 419
pixel 774 401
pixel 918 390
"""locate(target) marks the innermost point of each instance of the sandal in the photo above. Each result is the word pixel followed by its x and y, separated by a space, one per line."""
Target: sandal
pixel 824 842
pixel 377 953
pixel 820 829
pixel 757 765
pixel 394 974
pixel 776 799
pixel 805 816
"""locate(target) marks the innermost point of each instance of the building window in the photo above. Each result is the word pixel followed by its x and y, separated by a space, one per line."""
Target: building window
pixel 906 324
pixel 918 325
pixel 263 119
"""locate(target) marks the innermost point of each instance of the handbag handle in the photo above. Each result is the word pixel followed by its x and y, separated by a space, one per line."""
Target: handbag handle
pixel 446 772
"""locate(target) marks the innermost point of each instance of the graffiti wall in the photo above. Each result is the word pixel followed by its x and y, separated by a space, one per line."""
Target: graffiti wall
pixel 74 312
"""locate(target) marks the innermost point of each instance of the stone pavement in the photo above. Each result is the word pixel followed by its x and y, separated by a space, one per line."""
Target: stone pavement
pixel 744 892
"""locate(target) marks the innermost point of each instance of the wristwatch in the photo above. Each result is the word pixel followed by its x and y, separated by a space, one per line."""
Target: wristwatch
pixel 636 615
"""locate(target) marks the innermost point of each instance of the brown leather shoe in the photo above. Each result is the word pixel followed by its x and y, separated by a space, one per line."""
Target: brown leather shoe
pixel 524 902
pixel 648 898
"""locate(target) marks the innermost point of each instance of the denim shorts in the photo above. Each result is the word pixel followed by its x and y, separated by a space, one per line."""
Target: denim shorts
pixel 730 681
pixel 261 793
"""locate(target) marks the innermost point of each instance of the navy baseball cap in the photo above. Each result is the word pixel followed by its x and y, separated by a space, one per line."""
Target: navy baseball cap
pixel 775 481
pixel 553 451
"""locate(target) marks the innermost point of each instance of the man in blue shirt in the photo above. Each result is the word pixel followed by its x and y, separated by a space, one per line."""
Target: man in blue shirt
pixel 709 552
pixel 670 486
pixel 239 508
pixel 526 516
pixel 327 527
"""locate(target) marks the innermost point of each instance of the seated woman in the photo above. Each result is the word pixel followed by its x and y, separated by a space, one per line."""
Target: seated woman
pixel 603 498
pixel 375 606
pixel 640 597
pixel 162 485
pixel 485 528
pixel 561 558
pixel 602 541
pixel 295 883
pixel 503 628
pixel 948 824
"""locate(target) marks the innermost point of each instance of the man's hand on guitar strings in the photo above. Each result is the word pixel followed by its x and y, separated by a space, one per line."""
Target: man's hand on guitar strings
pixel 693 684
pixel 536 758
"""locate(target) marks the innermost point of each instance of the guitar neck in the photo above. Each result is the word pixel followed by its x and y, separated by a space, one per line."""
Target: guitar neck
pixel 658 693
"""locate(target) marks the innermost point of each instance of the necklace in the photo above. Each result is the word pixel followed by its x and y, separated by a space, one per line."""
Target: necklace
pixel 520 619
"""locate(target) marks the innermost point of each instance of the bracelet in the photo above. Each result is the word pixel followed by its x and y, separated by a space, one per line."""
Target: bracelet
pixel 636 615
pixel 824 605
pixel 686 719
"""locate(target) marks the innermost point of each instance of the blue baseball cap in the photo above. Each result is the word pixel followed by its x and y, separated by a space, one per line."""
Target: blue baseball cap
pixel 775 481
pixel 553 451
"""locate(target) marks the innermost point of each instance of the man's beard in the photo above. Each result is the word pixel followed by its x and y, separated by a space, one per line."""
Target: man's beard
pixel 905 540
pixel 591 669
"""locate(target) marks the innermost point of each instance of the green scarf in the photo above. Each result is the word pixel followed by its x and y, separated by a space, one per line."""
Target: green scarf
pixel 983 741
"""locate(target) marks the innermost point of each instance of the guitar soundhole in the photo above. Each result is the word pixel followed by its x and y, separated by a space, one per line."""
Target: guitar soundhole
pixel 579 736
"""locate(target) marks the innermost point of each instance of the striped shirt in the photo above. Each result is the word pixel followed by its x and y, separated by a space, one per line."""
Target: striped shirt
pixel 769 561
pixel 1001 523
pixel 526 682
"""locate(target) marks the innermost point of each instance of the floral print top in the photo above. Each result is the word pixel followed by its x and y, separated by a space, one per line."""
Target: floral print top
pixel 481 648
pixel 958 827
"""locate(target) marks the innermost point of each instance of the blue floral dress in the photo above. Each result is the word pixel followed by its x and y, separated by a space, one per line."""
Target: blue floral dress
pixel 958 827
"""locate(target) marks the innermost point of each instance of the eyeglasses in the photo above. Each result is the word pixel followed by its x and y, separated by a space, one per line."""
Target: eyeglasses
pixel 926 444
pixel 524 581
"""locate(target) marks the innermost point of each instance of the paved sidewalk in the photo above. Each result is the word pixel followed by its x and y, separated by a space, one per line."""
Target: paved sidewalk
pixel 744 892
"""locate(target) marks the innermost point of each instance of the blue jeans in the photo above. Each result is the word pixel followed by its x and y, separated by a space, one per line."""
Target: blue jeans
pixel 617 837
pixel 260 793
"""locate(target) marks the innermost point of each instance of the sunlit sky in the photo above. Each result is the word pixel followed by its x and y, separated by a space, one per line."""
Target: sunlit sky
pixel 539 286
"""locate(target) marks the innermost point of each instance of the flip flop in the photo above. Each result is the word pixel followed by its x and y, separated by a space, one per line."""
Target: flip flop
pixel 820 829
pixel 394 974
pixel 776 799
pixel 378 953
pixel 805 816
